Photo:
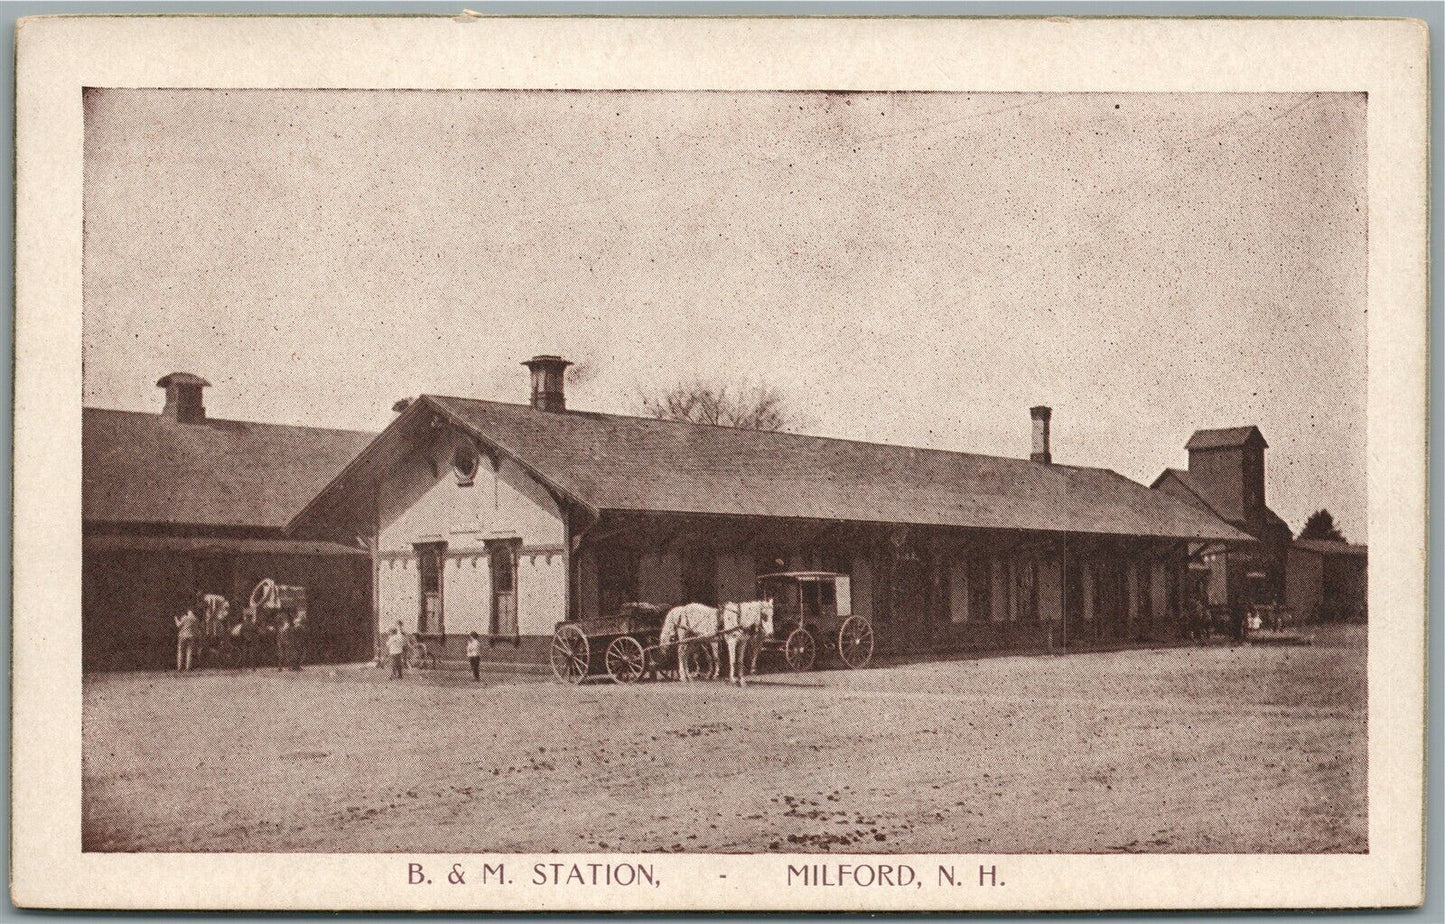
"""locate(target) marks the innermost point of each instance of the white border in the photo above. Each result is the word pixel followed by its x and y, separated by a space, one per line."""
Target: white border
pixel 57 56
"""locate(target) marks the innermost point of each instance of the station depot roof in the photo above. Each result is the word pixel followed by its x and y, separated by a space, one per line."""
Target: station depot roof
pixel 606 462
pixel 152 469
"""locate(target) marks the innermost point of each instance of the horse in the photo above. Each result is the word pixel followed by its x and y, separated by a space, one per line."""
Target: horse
pixel 744 625
pixel 691 620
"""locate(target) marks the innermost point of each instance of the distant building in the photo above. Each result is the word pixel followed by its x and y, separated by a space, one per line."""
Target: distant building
pixel 1327 580
pixel 176 504
pixel 1226 477
pixel 505 519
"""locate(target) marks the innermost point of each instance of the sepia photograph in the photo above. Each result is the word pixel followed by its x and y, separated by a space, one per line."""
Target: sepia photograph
pixel 737 472
pixel 829 475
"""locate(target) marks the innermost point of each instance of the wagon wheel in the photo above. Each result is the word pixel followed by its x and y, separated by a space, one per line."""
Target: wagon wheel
pixel 699 661
pixel 570 654
pixel 799 650
pixel 855 641
pixel 625 659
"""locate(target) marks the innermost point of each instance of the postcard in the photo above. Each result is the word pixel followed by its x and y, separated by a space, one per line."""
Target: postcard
pixel 539 464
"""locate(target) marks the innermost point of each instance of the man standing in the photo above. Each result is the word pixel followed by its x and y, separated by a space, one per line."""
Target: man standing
pixel 188 628
pixel 298 640
pixel 218 612
pixel 283 644
pixel 396 647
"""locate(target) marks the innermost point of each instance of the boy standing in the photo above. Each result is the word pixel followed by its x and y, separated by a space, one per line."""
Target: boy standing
pixel 474 655
pixel 396 647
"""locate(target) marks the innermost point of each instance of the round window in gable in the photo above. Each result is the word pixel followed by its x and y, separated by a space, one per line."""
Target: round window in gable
pixel 465 460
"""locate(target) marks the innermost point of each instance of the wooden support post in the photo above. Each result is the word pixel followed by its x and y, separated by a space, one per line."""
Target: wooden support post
pixel 1064 592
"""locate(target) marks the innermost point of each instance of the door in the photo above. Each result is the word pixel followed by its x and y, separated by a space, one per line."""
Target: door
pixel 430 617
pixel 911 605
pixel 502 559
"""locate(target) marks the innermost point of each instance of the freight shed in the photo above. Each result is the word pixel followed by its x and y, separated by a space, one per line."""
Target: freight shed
pixel 177 504
pixel 504 519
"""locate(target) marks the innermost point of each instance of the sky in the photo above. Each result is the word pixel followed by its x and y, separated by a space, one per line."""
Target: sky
pixel 911 268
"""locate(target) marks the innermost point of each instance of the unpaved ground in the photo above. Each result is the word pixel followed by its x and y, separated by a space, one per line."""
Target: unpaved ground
pixel 1220 749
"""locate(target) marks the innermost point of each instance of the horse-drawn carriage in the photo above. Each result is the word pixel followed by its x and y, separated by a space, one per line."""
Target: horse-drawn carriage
pixel 223 638
pixel 813 607
pixel 625 646
pixel 807 608
pixel 271 603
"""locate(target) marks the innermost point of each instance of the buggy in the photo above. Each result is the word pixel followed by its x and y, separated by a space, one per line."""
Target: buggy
pixel 813 610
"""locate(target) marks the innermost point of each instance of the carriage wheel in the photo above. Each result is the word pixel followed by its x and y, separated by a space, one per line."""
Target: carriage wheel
pixel 699 662
pixel 855 641
pixel 570 654
pixel 626 661
pixel 800 650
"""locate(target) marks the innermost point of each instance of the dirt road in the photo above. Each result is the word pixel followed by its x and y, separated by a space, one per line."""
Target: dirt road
pixel 1253 749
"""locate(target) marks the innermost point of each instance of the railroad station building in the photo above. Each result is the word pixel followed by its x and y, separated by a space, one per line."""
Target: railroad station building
pixel 179 503
pixel 504 519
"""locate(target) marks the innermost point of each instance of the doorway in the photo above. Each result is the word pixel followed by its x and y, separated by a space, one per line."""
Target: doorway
pixel 911 605
pixel 502 560
pixel 430 618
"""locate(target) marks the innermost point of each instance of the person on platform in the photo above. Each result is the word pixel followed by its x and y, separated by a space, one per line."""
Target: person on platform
pixel 188 631
pixel 298 640
pixel 396 647
pixel 474 655
pixel 283 643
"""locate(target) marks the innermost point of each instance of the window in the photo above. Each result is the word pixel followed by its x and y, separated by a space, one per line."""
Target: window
pixel 1074 588
pixel 431 557
pixel 827 594
pixel 502 561
pixel 998 568
pixel 980 588
pixel 1146 592
pixel 956 599
pixel 784 594
pixel 465 461
pixel 810 598
pixel 1026 586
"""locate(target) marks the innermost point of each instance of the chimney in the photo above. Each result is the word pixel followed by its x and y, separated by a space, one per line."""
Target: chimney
pixel 547 384
pixel 183 397
pixel 1041 415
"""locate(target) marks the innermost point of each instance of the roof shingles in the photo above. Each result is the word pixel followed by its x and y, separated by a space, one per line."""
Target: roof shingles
pixel 639 464
pixel 149 468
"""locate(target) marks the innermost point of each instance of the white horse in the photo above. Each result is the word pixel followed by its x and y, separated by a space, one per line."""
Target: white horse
pixel 745 625
pixel 691 620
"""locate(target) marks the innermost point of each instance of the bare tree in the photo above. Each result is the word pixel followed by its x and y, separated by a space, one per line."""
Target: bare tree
pixel 745 406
